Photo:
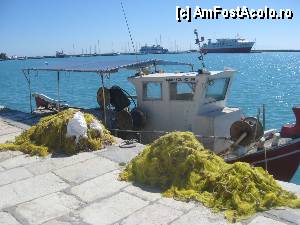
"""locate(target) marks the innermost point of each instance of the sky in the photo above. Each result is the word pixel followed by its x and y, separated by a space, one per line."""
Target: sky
pixel 41 27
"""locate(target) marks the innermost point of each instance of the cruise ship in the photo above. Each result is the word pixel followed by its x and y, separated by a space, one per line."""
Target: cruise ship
pixel 227 45
pixel 154 49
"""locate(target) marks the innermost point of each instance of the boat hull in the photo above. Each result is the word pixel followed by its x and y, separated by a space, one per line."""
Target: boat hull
pixel 282 162
pixel 227 50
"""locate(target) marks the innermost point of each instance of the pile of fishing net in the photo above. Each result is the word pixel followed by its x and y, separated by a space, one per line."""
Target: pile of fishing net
pixel 69 132
pixel 178 164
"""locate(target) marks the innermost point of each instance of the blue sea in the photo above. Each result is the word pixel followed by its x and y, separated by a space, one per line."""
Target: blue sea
pixel 272 79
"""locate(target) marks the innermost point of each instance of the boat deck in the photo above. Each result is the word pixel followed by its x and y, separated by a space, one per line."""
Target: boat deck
pixel 84 189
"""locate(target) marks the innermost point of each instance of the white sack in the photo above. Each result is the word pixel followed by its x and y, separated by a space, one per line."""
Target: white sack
pixel 96 125
pixel 77 127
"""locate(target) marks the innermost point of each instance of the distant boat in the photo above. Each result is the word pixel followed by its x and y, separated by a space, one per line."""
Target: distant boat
pixel 45 102
pixel 22 58
pixel 36 57
pixel 110 54
pixel 154 49
pixel 227 45
pixel 60 54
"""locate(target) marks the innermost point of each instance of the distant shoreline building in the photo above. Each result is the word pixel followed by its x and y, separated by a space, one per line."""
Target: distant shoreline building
pixel 154 49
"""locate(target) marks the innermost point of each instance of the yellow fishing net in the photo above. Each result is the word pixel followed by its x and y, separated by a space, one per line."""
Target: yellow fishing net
pixel 49 135
pixel 179 165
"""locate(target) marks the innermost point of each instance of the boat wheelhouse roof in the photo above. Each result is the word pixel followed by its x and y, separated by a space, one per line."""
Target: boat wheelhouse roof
pixel 104 67
pixel 101 68
pixel 177 74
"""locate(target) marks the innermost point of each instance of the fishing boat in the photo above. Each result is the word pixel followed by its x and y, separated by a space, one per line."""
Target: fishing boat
pixel 45 102
pixel 193 101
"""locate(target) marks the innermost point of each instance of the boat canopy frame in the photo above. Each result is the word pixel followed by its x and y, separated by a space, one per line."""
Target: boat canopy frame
pixel 104 71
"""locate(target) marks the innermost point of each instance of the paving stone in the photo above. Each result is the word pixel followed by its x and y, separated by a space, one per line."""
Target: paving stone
pixel 290 187
pixel 296 210
pixel 53 163
pixel 152 215
pixel 18 121
pixel 144 193
pixel 14 175
pixel 16 153
pixel 179 205
pixel 290 215
pixel 99 187
pixel 3 127
pixel 261 220
pixel 117 154
pixel 4 155
pixel 112 209
pixel 9 130
pixel 1 121
pixel 23 125
pixel 86 170
pixel 56 222
pixel 4 124
pixel 48 207
pixel 7 219
pixel 20 160
pixel 200 215
pixel 31 188
pixel 9 137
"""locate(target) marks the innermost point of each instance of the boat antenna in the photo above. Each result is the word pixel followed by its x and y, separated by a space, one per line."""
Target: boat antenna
pixel 198 42
pixel 129 32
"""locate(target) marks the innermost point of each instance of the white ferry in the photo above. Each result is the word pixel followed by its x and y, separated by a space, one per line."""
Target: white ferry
pixel 154 49
pixel 226 45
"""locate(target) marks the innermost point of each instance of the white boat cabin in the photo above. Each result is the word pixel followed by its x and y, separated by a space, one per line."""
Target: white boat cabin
pixel 188 101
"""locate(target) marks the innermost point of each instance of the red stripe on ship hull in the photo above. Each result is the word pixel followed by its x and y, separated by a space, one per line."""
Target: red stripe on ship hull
pixel 227 50
pixel 282 162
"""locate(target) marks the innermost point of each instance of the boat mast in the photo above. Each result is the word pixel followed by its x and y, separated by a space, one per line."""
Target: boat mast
pixel 198 42
pixel 129 32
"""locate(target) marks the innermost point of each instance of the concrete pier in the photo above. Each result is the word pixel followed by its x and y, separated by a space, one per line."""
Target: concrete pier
pixel 83 189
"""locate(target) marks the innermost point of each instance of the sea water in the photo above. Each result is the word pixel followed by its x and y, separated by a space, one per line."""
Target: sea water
pixel 272 79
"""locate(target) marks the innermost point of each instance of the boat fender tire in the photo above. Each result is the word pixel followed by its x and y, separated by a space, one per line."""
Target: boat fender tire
pixel 124 120
pixel 138 118
pixel 118 98
pixel 100 98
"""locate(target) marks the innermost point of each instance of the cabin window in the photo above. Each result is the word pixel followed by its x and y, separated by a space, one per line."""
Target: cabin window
pixel 152 91
pixel 217 89
pixel 182 91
